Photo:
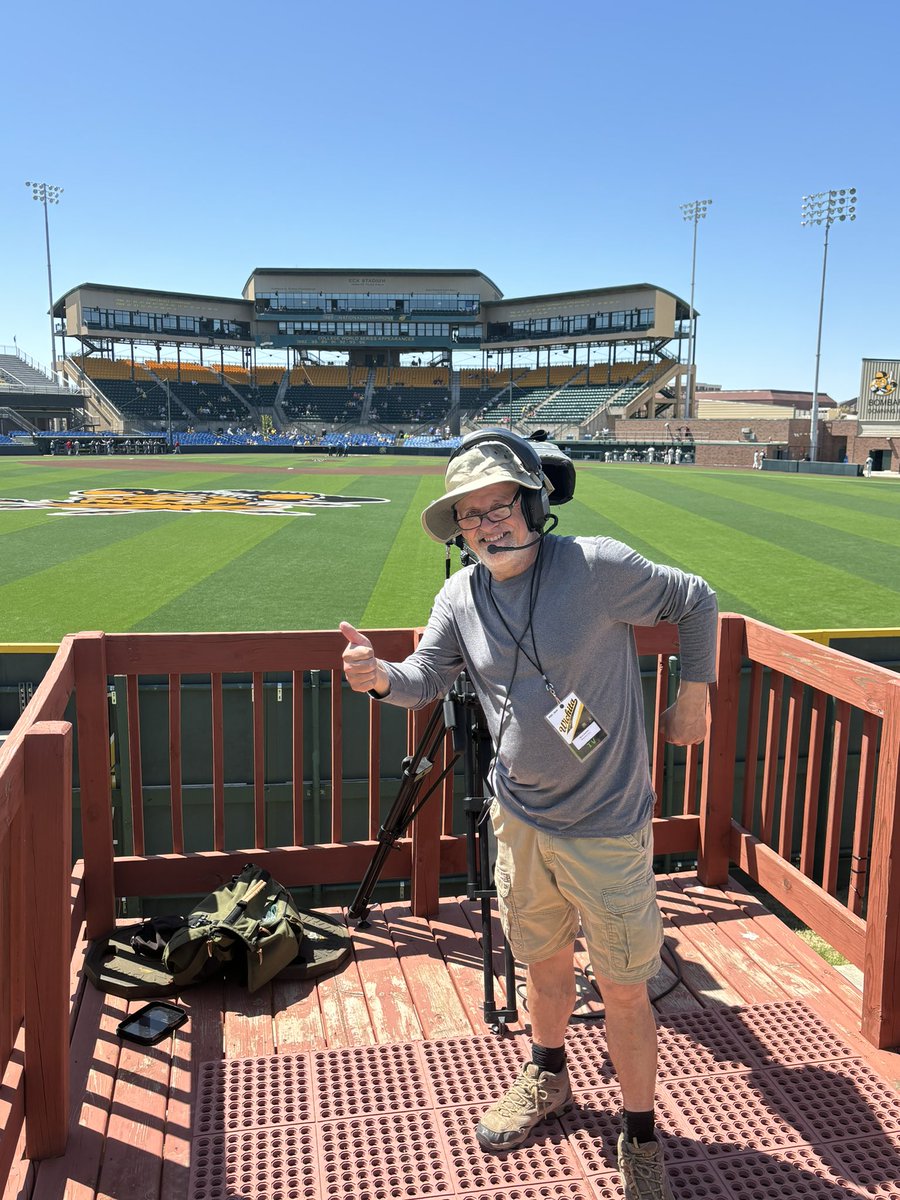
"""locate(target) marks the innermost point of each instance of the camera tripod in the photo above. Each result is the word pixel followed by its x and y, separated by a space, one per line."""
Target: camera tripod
pixel 461 715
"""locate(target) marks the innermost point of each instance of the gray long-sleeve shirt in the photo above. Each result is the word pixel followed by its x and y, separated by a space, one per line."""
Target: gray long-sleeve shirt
pixel 582 604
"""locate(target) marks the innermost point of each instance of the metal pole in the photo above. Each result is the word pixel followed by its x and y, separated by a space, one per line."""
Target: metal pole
pixel 814 411
pixel 47 193
pixel 693 212
pixel 49 286
pixel 693 330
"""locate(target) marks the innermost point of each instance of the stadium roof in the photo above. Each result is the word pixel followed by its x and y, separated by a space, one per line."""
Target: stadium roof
pixel 364 271
pixel 59 307
pixel 598 291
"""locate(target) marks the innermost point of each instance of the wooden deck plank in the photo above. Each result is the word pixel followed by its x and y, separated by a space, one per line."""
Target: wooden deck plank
pixel 296 1017
pixel 837 1001
pixel 733 923
pixel 201 1039
pixel 820 974
pixel 94 1063
pixel 345 1014
pixel 729 964
pixel 392 1009
pixel 132 1157
pixel 766 976
pixel 440 1009
pixel 460 947
pixel 697 972
pixel 248 1022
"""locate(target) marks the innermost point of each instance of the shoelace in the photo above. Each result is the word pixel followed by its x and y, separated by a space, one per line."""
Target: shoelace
pixel 647 1174
pixel 523 1092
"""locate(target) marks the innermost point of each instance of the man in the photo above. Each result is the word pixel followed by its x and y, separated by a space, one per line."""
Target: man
pixel 544 627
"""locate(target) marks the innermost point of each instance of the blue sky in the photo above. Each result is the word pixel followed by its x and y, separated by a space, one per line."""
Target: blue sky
pixel 547 145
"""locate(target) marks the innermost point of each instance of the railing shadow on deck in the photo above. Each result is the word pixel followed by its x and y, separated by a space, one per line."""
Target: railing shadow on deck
pixel 802 752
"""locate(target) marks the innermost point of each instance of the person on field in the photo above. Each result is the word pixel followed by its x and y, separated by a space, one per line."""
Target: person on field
pixel 867 469
pixel 544 627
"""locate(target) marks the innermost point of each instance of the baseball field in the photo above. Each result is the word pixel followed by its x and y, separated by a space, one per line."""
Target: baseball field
pixel 227 542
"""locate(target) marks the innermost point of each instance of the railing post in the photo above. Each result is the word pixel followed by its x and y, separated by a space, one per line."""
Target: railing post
pixel 881 999
pixel 48 865
pixel 426 837
pixel 717 788
pixel 94 782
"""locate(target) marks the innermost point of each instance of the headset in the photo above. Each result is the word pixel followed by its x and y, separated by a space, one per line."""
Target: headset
pixel 548 463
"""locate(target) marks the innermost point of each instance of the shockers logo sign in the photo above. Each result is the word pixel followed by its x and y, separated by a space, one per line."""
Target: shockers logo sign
pixel 106 501
pixel 883 384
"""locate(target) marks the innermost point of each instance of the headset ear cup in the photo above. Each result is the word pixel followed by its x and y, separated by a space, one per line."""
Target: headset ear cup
pixel 535 508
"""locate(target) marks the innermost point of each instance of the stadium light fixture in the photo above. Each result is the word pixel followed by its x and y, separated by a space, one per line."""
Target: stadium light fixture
pixel 824 208
pixel 47 193
pixel 694 212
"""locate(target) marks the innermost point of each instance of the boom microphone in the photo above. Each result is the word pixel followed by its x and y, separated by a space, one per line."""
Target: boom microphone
pixel 552 523
pixel 510 549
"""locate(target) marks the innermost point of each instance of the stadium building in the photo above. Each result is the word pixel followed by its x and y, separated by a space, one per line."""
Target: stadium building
pixel 369 356
pixel 375 350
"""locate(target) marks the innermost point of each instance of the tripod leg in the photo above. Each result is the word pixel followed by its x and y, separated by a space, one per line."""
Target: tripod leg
pixel 414 769
pixel 496 1018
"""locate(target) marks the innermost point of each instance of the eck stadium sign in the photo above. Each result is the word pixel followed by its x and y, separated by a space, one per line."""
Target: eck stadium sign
pixel 107 501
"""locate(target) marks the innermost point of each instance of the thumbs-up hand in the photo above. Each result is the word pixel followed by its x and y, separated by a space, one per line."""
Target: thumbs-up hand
pixel 363 670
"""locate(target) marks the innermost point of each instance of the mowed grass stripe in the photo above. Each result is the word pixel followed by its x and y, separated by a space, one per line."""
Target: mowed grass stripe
pixel 865 496
pixel 62 539
pixel 33 540
pixel 820 541
pixel 38 484
pixel 790 587
pixel 111 588
pixel 414 568
pixel 826 509
pixel 580 518
pixel 311 569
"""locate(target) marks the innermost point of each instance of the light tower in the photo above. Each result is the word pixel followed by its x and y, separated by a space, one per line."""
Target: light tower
pixel 824 208
pixel 47 193
pixel 694 212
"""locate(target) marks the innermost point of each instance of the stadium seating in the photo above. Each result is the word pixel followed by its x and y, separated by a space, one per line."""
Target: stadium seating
pixel 15 372
pixel 318 403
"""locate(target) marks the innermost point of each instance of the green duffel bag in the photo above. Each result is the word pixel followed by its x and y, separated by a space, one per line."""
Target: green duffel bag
pixel 250 927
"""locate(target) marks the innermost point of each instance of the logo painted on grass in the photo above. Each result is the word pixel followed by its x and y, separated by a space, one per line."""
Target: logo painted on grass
pixel 106 501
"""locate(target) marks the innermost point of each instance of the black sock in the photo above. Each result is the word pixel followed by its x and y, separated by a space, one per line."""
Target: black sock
pixel 548 1058
pixel 638 1126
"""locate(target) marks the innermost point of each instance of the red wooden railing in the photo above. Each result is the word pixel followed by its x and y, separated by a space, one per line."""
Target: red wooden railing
pixel 795 812
pixel 800 697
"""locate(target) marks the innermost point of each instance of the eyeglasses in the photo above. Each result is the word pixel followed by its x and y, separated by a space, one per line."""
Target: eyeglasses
pixel 495 515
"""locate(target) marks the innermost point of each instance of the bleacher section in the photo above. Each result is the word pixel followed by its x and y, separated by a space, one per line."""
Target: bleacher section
pixel 410 405
pixel 418 398
pixel 576 402
pixel 314 403
pixel 15 372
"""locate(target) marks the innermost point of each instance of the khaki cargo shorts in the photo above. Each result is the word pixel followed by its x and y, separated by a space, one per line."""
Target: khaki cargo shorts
pixel 548 885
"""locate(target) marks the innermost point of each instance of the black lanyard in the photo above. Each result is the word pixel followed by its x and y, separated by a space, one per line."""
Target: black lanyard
pixel 529 628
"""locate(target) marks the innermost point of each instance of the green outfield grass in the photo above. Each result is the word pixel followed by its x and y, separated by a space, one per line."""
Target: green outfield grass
pixel 800 552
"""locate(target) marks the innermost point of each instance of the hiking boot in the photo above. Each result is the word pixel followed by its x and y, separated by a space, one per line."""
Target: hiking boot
pixel 536 1094
pixel 642 1170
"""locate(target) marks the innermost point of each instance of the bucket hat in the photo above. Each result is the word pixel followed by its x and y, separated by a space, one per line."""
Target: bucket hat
pixel 483 465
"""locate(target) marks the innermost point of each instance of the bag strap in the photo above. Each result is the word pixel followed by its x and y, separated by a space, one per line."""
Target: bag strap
pixel 240 906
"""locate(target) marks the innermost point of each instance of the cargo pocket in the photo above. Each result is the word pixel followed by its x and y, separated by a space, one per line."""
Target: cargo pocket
pixel 634 926
pixel 505 903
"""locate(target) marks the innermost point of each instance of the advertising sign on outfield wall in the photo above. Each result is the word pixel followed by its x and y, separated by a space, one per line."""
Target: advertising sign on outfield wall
pixel 879 390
